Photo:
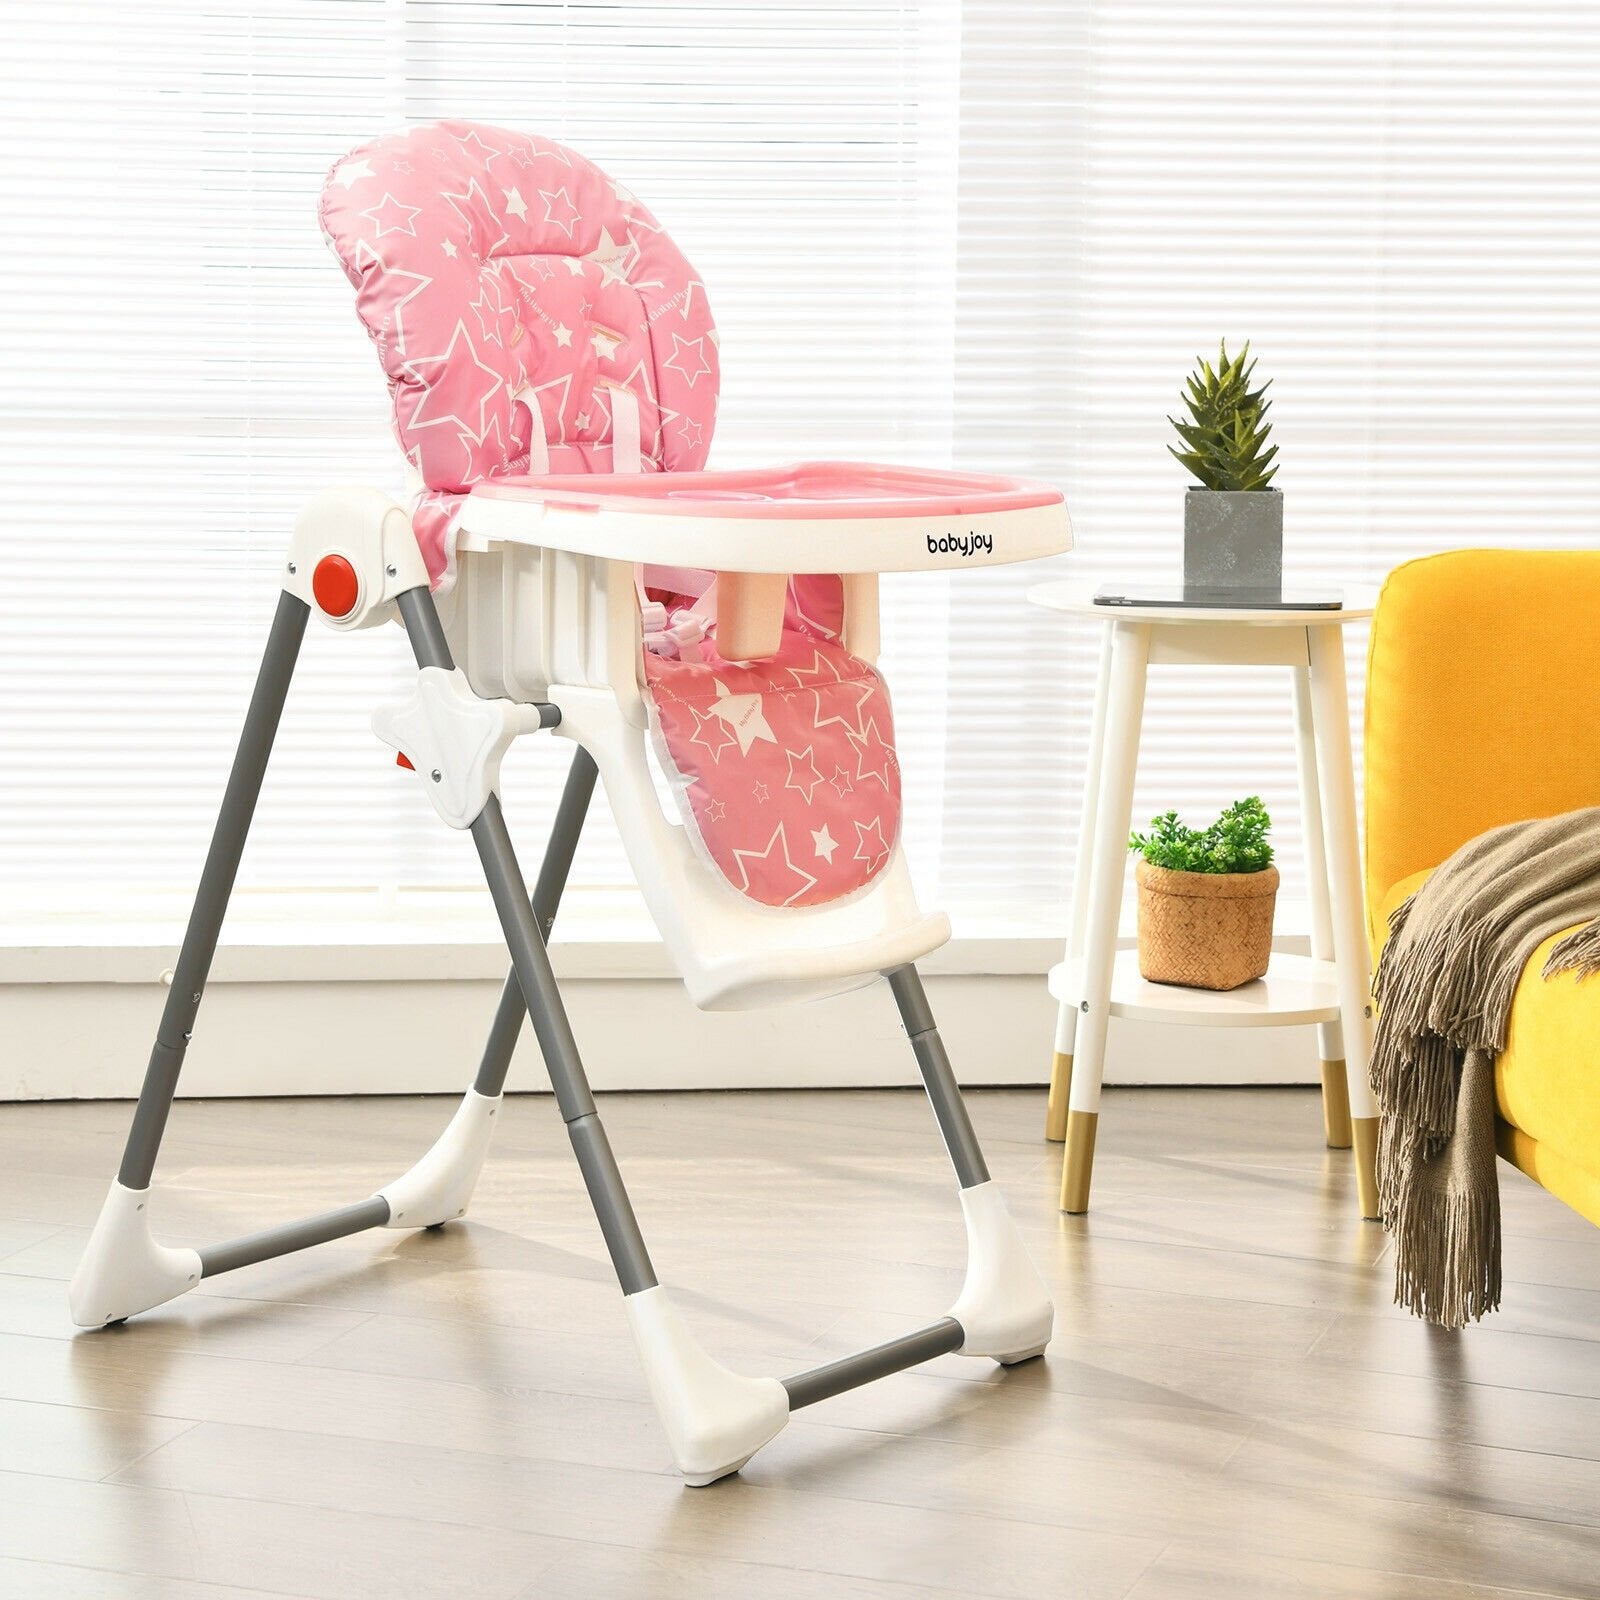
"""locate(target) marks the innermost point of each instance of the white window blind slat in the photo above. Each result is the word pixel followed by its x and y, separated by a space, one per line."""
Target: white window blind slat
pixel 969 231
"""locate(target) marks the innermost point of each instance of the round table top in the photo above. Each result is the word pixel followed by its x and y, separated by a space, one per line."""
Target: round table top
pixel 1076 596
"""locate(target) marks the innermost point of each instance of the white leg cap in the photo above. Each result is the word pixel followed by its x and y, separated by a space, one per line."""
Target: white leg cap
pixel 123 1269
pixel 440 1186
pixel 715 1420
pixel 1004 1308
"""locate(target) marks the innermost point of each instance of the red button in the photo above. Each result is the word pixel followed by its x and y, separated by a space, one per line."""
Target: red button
pixel 336 586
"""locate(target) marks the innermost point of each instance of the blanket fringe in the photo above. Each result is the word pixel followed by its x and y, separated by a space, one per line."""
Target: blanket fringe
pixel 1447 1265
pixel 1445 984
pixel 1579 953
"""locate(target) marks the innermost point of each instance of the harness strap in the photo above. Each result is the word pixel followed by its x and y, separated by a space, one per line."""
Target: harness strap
pixel 538 444
pixel 626 454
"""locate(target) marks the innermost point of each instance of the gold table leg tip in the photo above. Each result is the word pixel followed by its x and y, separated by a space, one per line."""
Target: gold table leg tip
pixel 1055 1116
pixel 1335 1105
pixel 1364 1137
pixel 1078 1168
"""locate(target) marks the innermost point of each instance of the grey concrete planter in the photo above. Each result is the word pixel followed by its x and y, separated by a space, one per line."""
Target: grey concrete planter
pixel 1233 539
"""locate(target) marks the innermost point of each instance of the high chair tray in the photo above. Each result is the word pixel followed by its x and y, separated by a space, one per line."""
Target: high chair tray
pixel 812 516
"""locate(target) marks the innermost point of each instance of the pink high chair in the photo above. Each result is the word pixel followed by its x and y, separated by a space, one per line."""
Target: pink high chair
pixel 567 565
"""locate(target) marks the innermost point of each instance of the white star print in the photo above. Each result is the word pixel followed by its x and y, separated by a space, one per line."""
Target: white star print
pixel 364 253
pixel 851 696
pixel 563 335
pixel 516 206
pixel 581 422
pixel 871 846
pixel 779 840
pixel 470 214
pixel 822 668
pixel 803 777
pixel 352 172
pixel 488 312
pixel 488 155
pixel 711 732
pixel 559 209
pixel 449 363
pixel 613 259
pixel 810 621
pixel 552 151
pixel 689 358
pixel 715 811
pixel 825 842
pixel 875 757
pixel 743 714
pixel 639 381
pixel 390 216
pixel 762 794
pixel 690 432
pixel 574 265
pixel 606 343
pixel 449 248
pixel 841 782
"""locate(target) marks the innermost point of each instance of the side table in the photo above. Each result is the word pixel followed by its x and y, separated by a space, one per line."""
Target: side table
pixel 1096 982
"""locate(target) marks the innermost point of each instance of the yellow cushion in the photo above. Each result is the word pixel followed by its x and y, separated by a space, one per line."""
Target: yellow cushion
pixel 1483 694
pixel 1547 1079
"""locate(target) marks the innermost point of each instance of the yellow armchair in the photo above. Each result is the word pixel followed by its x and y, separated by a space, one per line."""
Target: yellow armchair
pixel 1483 707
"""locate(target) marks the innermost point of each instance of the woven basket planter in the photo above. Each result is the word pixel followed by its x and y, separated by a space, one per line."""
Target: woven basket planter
pixel 1204 930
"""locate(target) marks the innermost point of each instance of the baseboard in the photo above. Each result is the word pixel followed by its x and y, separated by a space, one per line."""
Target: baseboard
pixel 351 994
pixel 421 1035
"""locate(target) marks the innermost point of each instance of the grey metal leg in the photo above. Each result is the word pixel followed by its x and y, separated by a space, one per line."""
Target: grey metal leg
pixel 211 899
pixel 512 1010
pixel 943 1091
pixel 531 973
pixel 530 965
pixel 252 1247
pixel 865 1366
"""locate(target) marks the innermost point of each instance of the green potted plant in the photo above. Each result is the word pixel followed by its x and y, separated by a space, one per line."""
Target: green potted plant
pixel 1232 523
pixel 1206 898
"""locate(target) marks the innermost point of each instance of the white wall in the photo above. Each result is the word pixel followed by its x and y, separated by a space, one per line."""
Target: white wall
pixel 77 1019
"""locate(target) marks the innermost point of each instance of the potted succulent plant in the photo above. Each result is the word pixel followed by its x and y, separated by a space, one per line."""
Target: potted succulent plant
pixel 1233 523
pixel 1206 898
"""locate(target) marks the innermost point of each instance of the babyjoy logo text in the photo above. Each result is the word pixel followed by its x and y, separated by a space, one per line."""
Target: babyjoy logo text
pixel 961 544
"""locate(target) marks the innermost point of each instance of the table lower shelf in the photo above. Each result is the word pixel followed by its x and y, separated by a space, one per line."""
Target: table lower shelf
pixel 1296 989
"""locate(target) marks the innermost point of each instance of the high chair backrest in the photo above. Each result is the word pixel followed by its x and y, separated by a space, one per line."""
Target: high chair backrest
pixel 530 314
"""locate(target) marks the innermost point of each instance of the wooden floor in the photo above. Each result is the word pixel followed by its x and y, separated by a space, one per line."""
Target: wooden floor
pixel 1231 1407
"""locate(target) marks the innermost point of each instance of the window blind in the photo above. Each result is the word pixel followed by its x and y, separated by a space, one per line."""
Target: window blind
pixel 993 234
pixel 1395 200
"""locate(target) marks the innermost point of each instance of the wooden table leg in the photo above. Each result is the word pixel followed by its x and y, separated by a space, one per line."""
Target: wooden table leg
pixel 1055 1119
pixel 1335 1093
pixel 1330 710
pixel 1124 712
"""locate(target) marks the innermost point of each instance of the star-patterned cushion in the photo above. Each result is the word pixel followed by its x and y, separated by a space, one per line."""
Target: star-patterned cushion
pixel 785 767
pixel 507 284
pixel 498 273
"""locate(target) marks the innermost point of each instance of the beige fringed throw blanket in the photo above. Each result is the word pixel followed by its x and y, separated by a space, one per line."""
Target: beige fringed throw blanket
pixel 1444 988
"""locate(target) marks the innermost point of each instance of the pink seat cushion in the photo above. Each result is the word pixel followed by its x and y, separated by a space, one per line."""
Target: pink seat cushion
pixel 501 275
pixel 786 768
pixel 497 272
